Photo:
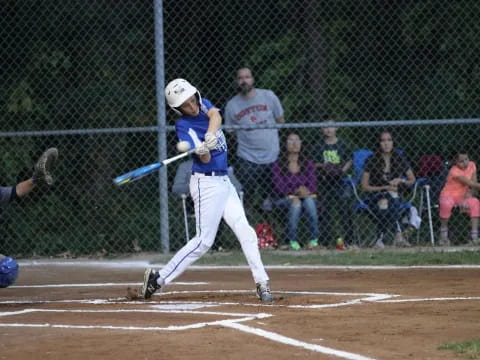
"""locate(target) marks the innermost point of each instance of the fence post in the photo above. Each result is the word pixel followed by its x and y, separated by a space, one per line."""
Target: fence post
pixel 161 121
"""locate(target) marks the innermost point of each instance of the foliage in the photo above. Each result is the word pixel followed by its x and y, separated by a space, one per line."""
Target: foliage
pixel 84 65
pixel 466 349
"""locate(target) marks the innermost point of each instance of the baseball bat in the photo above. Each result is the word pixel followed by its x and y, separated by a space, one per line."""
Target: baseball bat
pixel 148 169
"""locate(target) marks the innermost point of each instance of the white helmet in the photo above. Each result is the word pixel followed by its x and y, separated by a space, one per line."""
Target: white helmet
pixel 178 91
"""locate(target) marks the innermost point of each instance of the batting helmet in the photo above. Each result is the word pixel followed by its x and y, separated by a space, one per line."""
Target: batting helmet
pixel 178 91
pixel 8 271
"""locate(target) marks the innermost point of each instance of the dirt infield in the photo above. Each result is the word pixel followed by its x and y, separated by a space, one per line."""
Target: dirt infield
pixel 81 312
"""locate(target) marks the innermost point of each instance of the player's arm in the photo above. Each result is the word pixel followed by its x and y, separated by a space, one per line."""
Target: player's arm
pixel 215 120
pixel 214 123
pixel 24 187
pixel 281 120
pixel 205 158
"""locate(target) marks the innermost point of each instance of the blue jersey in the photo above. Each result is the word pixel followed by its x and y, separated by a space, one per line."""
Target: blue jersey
pixel 193 129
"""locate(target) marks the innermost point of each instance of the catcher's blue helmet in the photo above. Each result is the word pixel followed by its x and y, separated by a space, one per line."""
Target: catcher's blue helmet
pixel 8 271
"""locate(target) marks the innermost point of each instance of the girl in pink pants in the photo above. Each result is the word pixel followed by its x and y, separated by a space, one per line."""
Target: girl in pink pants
pixel 459 189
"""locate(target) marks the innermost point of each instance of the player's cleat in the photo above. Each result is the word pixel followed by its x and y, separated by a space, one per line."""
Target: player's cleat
pixel 263 292
pixel 150 283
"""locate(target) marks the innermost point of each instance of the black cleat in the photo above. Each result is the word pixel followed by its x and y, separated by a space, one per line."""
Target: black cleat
pixel 150 283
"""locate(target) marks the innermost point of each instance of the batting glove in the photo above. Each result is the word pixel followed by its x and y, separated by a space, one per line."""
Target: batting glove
pixel 211 140
pixel 202 149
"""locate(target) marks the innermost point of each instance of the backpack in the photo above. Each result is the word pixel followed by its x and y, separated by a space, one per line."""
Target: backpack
pixel 266 237
pixel 429 165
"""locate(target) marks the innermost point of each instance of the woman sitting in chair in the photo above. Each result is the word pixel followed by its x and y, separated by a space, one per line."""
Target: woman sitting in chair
pixel 385 172
pixel 458 191
pixel 295 182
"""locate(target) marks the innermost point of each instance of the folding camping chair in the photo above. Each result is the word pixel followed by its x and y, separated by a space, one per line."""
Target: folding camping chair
pixel 360 158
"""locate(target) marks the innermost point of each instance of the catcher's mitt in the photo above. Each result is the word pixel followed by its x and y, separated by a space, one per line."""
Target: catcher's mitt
pixel 332 171
pixel 42 172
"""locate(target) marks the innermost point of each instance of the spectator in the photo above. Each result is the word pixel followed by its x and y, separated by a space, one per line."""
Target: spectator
pixel 459 190
pixel 383 178
pixel 257 149
pixel 333 159
pixel 295 182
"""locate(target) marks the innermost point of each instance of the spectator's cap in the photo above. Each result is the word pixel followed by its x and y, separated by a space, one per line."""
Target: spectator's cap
pixel 178 91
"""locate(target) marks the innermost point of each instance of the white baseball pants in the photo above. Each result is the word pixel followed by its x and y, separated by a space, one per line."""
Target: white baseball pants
pixel 215 197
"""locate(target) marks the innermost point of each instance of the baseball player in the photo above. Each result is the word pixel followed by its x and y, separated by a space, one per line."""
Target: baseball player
pixel 213 194
pixel 42 174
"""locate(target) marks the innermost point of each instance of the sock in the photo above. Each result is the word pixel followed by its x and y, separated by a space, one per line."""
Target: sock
pixel 444 233
pixel 474 235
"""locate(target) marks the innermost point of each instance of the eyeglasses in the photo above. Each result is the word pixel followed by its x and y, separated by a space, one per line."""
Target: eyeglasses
pixel 294 142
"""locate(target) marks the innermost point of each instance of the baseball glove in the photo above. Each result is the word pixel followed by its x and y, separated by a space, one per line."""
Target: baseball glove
pixel 42 172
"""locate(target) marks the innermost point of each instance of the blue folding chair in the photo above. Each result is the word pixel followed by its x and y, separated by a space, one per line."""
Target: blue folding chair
pixel 360 158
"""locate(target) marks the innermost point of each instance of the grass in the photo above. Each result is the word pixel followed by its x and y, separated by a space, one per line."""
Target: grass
pixel 468 349
pixel 405 257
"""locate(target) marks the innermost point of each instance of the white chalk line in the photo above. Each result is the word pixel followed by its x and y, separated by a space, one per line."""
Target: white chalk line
pixel 98 285
pixel 131 264
pixel 150 311
pixel 232 323
pixel 226 323
pixel 137 328
pixel 293 342
pixel 459 298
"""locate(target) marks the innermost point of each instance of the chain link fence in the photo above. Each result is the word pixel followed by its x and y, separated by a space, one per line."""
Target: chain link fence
pixel 81 76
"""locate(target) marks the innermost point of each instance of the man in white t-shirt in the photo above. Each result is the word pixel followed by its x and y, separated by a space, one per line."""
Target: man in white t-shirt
pixel 257 149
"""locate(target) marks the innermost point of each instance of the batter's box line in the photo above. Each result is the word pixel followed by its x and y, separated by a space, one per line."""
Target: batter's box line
pixel 232 323
pixel 149 311
pixel 366 297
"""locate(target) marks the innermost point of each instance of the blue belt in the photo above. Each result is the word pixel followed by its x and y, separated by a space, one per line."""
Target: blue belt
pixel 212 173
